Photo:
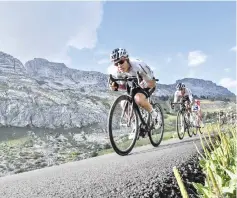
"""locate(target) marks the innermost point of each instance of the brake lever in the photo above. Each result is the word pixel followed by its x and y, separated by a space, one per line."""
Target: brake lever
pixel 111 79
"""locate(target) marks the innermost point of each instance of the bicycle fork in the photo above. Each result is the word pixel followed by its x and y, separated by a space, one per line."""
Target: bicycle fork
pixel 129 115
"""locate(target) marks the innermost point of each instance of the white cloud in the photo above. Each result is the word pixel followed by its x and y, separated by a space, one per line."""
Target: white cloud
pixel 48 29
pixel 103 61
pixel 233 49
pixel 228 82
pixel 196 58
pixel 227 69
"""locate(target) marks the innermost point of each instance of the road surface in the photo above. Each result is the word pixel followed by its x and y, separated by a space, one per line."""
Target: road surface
pixel 109 175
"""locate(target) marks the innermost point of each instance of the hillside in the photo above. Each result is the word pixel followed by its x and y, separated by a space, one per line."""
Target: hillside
pixel 44 94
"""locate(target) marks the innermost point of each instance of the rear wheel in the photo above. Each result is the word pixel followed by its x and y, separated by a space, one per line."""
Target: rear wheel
pixel 199 129
pixel 156 135
pixel 187 125
pixel 121 117
pixel 195 121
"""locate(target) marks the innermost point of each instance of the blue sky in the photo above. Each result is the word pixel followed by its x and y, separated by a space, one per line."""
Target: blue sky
pixel 177 39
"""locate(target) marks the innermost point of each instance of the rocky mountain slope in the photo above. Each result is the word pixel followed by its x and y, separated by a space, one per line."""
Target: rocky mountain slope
pixel 59 76
pixel 44 94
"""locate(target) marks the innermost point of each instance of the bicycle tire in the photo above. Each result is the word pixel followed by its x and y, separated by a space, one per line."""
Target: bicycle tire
pixel 187 127
pixel 195 127
pixel 196 122
pixel 113 144
pixel 199 129
pixel 162 132
pixel 177 127
pixel 195 131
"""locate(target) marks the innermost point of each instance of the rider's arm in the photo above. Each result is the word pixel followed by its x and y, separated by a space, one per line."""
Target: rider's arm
pixel 190 95
pixel 176 96
pixel 121 84
pixel 147 74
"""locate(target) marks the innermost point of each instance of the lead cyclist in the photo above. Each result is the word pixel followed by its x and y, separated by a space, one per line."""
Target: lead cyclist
pixel 126 67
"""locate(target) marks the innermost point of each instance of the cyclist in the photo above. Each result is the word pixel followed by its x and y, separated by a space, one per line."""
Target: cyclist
pixel 197 109
pixel 185 95
pixel 126 67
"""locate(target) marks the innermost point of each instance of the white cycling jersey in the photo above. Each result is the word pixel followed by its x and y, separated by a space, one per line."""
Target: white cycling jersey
pixel 178 95
pixel 136 65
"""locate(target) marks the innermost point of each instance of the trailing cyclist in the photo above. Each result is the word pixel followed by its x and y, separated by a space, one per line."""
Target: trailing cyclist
pixel 197 109
pixel 185 95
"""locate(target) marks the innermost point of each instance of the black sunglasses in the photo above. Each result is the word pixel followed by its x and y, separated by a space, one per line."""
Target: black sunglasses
pixel 120 62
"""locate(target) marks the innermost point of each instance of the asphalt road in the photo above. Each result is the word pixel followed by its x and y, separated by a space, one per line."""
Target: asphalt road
pixel 110 175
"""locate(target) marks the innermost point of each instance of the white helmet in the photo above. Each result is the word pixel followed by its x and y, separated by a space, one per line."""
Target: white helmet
pixel 117 54
pixel 180 86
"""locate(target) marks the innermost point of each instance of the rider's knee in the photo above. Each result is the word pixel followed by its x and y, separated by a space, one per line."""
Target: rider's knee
pixel 139 98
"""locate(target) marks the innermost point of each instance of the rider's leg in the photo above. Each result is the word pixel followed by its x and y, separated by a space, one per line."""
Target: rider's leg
pixel 143 102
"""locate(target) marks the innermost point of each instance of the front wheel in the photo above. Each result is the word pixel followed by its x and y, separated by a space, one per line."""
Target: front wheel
pixel 180 125
pixel 123 125
pixel 156 134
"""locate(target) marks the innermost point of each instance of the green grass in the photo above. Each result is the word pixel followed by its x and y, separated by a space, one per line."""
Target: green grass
pixel 218 162
pixel 16 142
pixel 170 122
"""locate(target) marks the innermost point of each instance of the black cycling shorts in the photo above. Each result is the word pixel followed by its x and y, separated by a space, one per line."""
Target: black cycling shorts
pixel 143 91
pixel 186 98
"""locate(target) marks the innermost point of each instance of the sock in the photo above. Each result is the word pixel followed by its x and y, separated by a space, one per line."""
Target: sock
pixel 152 111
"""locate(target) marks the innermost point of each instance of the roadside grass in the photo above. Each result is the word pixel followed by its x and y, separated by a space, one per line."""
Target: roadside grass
pixel 15 141
pixel 218 162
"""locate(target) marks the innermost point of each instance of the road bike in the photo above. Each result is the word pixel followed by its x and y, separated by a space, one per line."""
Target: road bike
pixel 196 121
pixel 134 116
pixel 190 121
pixel 183 118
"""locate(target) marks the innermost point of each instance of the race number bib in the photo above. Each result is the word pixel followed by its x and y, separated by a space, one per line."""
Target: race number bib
pixel 195 108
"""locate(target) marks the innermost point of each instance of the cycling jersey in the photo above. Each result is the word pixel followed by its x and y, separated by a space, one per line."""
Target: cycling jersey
pixel 178 95
pixel 136 65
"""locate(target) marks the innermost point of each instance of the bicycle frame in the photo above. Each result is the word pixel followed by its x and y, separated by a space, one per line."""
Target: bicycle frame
pixel 131 92
pixel 183 106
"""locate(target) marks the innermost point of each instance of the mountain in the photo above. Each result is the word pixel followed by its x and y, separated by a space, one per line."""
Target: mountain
pixel 45 94
pixel 58 76
pixel 198 87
